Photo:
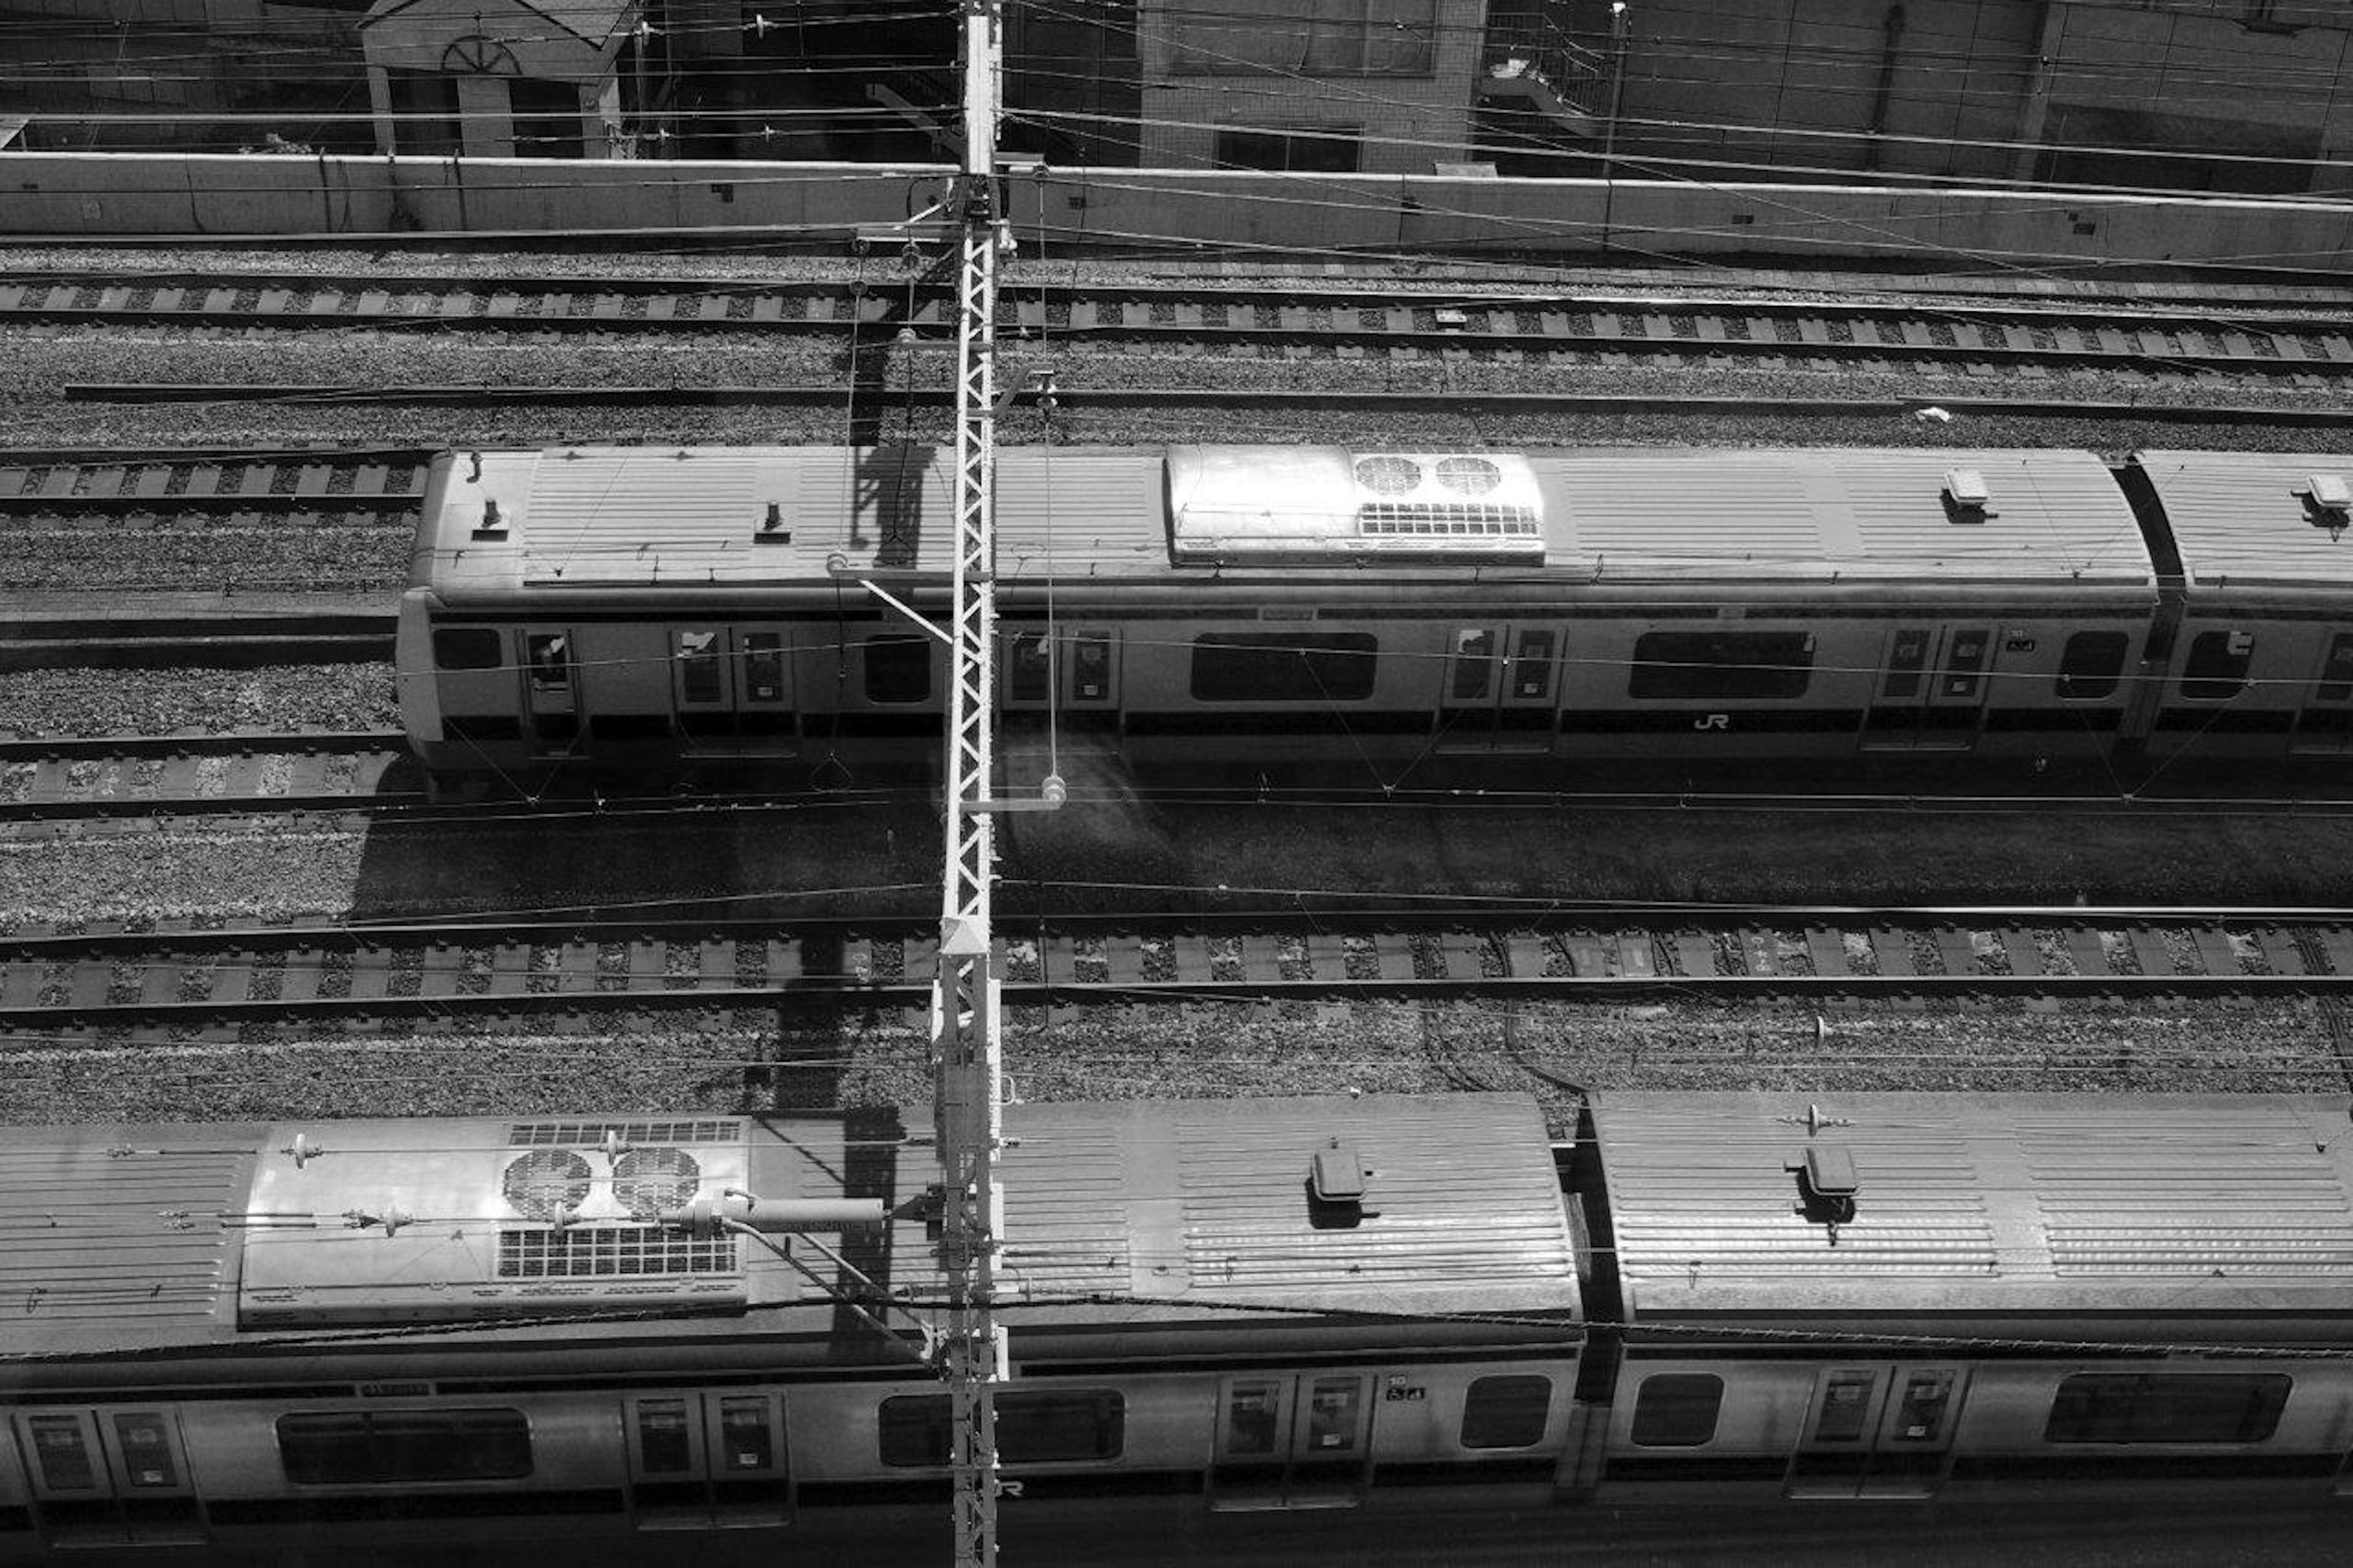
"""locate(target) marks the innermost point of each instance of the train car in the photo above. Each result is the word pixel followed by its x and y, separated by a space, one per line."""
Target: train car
pixel 1393 613
pixel 380 1333
pixel 1985 1299
pixel 2262 622
pixel 384 1334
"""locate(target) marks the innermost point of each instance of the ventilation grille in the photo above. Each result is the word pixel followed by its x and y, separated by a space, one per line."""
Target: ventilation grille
pixel 581 1252
pixel 710 1129
pixel 1466 519
pixel 546 1183
pixel 648 1181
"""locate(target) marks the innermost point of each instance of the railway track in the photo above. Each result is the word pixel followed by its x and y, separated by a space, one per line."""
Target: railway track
pixel 2242 339
pixel 68 779
pixel 1442 398
pixel 308 487
pixel 581 973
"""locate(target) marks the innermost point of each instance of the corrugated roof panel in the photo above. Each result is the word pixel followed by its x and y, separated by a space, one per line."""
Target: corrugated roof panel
pixel 138 1241
pixel 1812 514
pixel 1464 1199
pixel 2239 516
pixel 1073 512
pixel 2004 1204
pixel 2235 1191
pixel 603 516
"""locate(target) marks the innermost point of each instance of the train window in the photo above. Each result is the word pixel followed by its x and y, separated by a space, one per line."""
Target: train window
pixel 1907 657
pixel 392 1446
pixel 468 647
pixel 2166 1407
pixel 1474 661
pixel 1028 674
pixel 1722 664
pixel 1505 1412
pixel 1677 1409
pixel 897 669
pixel 664 1446
pixel 2092 665
pixel 763 667
pixel 2336 675
pixel 1032 1427
pixel 2216 669
pixel 64 1455
pixel 146 1451
pixel 750 1441
pixel 551 661
pixel 698 667
pixel 1283 667
pixel 1532 665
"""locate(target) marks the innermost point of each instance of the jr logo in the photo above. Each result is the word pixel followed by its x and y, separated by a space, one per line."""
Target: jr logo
pixel 1712 722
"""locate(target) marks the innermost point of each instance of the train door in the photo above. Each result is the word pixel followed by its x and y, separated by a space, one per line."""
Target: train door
pixel 1932 689
pixel 1878 1432
pixel 2325 728
pixel 109 1477
pixel 732 690
pixel 1497 694
pixel 704 1460
pixel 1288 1441
pixel 551 679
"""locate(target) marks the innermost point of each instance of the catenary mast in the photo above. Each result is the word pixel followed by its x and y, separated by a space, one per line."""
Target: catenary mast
pixel 967 1042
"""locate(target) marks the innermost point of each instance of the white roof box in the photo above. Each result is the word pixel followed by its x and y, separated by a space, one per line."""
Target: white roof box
pixel 1321 504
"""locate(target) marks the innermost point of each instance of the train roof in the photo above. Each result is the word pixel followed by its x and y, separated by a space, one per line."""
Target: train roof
pixel 2251 518
pixel 706 519
pixel 2193 1217
pixel 1187 1216
pixel 1810 515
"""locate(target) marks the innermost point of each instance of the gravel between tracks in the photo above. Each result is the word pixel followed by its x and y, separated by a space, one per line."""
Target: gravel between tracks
pixel 662 1063
pixel 40 703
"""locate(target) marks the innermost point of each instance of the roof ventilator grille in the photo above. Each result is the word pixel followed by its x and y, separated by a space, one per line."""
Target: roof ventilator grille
pixel 709 1130
pixel 648 1181
pixel 1445 520
pixel 546 1183
pixel 593 1251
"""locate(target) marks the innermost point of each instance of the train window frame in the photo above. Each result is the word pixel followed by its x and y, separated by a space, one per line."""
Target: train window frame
pixel 448 640
pixel 1665 1406
pixel 1331 667
pixel 887 666
pixel 403 1447
pixel 2215 668
pixel 547 657
pixel 1028 669
pixel 1506 1410
pixel 2089 680
pixel 1691 666
pixel 2338 661
pixel 698 654
pixel 911 1430
pixel 2139 1407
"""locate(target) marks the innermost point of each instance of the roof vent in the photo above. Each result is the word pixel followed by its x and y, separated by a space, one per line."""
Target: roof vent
pixel 2327 498
pixel 1967 496
pixel 1337 1175
pixel 771 529
pixel 1827 1185
pixel 494 522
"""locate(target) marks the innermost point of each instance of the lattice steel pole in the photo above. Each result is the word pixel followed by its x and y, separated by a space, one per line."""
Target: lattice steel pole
pixel 968 1049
